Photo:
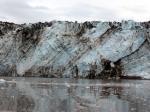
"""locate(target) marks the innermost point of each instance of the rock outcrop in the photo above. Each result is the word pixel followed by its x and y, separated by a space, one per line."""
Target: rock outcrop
pixel 70 49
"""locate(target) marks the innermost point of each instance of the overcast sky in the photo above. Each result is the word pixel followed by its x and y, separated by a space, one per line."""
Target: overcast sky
pixel 20 11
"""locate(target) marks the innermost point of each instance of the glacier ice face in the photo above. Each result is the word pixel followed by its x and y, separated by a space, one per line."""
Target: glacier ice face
pixel 71 49
pixel 138 63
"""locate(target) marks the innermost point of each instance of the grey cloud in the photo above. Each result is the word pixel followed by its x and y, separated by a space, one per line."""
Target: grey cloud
pixel 1 17
pixel 21 11
pixel 88 11
pixel 140 9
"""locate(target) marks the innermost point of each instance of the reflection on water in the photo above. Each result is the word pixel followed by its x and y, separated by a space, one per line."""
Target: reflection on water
pixel 109 90
pixel 69 95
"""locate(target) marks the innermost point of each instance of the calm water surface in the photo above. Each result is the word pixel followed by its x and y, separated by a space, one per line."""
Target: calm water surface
pixel 70 95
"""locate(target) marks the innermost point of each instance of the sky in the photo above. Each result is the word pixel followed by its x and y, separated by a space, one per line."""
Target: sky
pixel 31 11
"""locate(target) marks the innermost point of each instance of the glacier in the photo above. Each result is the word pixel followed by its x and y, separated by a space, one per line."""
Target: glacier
pixel 76 50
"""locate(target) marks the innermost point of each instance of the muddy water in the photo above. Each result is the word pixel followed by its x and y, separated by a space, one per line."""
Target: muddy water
pixel 70 95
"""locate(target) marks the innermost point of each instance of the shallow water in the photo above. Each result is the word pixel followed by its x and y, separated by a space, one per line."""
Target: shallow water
pixel 70 95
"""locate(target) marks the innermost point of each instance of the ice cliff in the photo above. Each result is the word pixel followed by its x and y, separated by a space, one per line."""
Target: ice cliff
pixel 71 49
